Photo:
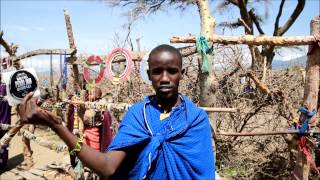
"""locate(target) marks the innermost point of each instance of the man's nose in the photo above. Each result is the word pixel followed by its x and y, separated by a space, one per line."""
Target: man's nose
pixel 164 77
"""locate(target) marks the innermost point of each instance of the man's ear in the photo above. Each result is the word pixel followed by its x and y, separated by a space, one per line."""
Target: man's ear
pixel 148 72
pixel 182 73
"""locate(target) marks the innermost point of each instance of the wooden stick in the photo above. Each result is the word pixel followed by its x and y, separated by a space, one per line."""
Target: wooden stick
pixel 261 86
pixel 217 109
pixel 43 52
pixel 264 133
pixel 252 40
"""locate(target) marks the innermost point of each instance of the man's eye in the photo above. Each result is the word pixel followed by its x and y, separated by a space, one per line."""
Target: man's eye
pixel 173 71
pixel 156 71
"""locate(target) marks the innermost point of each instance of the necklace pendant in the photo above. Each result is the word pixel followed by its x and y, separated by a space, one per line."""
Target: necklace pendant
pixel 164 116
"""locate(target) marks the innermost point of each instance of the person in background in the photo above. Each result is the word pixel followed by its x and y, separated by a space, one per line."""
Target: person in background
pixel 74 120
pixel 5 120
pixel 97 124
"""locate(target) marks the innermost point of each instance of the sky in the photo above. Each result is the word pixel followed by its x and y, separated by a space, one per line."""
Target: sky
pixel 96 26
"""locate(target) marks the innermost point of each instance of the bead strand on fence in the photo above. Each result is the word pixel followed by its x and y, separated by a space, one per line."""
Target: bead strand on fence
pixel 5 127
pixel 44 142
pixel 116 106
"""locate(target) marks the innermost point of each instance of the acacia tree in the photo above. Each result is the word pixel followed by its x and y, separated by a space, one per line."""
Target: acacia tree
pixel 249 19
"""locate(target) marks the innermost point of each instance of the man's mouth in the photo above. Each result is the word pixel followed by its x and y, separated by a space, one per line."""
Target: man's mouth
pixel 165 88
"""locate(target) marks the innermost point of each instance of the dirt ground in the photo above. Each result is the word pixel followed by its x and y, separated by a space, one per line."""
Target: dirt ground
pixel 42 156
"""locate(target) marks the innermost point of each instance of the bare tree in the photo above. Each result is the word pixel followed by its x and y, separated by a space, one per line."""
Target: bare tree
pixel 249 19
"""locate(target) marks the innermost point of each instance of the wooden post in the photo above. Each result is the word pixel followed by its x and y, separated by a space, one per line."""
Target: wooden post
pixel 51 72
pixel 207 79
pixel 74 67
pixel 311 90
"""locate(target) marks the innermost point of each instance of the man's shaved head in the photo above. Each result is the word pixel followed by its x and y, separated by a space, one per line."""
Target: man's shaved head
pixel 165 48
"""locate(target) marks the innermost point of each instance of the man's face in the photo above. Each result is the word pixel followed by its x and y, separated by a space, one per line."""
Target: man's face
pixel 165 72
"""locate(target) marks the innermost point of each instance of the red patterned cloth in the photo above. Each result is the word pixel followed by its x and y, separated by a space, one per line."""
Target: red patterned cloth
pixel 91 137
pixel 99 137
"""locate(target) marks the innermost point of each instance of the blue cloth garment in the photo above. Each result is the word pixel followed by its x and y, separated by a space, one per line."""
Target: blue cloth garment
pixel 178 147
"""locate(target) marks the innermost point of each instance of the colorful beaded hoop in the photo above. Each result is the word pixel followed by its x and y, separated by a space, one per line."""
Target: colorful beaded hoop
pixel 126 73
pixel 89 61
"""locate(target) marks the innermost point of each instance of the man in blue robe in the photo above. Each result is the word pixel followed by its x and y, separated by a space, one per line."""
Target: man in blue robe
pixel 164 136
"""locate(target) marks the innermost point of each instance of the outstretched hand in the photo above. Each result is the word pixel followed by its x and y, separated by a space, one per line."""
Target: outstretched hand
pixel 30 112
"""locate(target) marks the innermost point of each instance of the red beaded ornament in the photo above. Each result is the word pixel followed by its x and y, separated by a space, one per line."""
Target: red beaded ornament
pixel 89 61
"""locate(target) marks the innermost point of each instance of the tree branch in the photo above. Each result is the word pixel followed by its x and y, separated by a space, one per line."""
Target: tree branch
pixel 230 24
pixel 248 116
pixel 263 88
pixel 255 21
pixel 245 16
pixel 292 18
pixel 224 79
pixel 156 6
pixel 276 24
pixel 234 2
pixel 245 25
pixel 188 51
pixel 10 49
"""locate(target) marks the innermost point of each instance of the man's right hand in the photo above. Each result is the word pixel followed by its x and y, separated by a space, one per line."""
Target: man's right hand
pixel 103 164
pixel 30 112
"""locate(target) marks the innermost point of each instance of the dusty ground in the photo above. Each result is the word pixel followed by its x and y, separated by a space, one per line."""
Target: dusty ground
pixel 41 155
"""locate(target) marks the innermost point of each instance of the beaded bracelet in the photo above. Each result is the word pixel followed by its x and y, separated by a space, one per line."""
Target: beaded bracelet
pixel 77 147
